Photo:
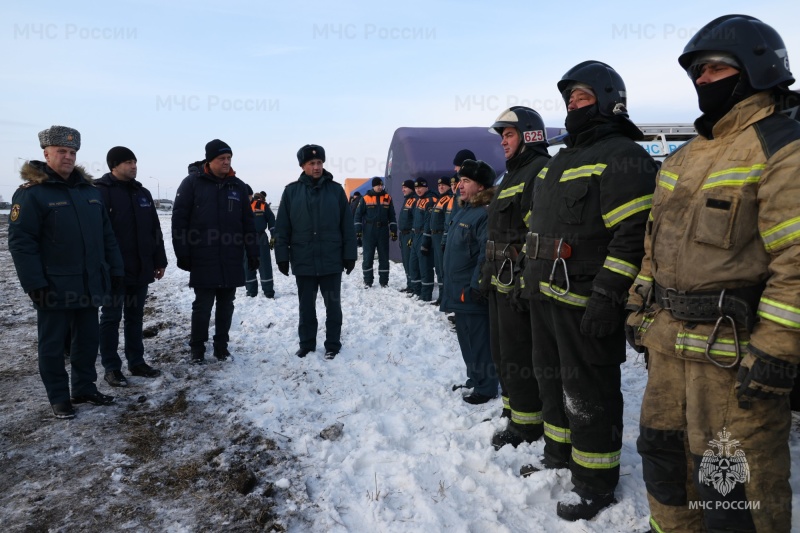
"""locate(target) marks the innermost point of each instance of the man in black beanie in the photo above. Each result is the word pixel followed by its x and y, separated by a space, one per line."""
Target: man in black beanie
pixel 375 223
pixel 136 226
pixel 210 241
pixel 315 235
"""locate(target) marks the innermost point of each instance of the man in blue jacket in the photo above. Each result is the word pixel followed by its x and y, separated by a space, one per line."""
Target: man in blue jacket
pixel 421 258
pixel 375 223
pixel 316 236
pixel 67 260
pixel 134 218
pixel 212 228
pixel 463 259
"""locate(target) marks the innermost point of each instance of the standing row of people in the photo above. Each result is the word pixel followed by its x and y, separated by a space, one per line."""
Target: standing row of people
pixel 606 233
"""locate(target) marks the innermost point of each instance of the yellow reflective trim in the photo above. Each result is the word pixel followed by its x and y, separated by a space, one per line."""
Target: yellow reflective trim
pixel 778 236
pixel 697 343
pixel 582 172
pixel 625 210
pixel 668 180
pixel 526 419
pixel 654 525
pixel 500 287
pixel 596 461
pixel 506 403
pixel 629 270
pixel 527 219
pixel 734 177
pixel 781 313
pixel 542 173
pixel 569 298
pixel 563 435
pixel 511 191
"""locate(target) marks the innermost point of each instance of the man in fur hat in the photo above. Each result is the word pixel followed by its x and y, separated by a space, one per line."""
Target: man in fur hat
pixel 67 261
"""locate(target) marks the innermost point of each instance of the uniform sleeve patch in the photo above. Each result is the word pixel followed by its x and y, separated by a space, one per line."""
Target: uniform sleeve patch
pixel 144 202
pixel 14 213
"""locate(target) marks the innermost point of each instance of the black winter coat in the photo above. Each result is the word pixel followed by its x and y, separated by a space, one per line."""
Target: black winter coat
pixel 212 228
pixel 135 221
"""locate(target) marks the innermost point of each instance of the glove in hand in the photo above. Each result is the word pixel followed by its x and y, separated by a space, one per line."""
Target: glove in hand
pixel 359 235
pixel 476 296
pixel 601 317
pixel 630 336
pixel 184 263
pixel 764 377
pixel 283 267
pixel 394 236
pixel 349 265
pixel 39 296
pixel 272 243
pixel 253 263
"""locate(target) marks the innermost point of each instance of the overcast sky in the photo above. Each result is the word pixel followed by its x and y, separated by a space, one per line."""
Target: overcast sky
pixel 164 78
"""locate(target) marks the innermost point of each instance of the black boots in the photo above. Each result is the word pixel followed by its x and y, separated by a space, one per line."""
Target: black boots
pixel 516 435
pixel 576 507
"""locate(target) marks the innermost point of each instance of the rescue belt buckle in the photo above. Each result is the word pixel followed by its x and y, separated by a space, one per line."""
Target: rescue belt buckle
pixel 712 337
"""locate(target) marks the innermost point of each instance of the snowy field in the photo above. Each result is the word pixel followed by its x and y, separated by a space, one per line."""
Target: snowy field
pixel 412 456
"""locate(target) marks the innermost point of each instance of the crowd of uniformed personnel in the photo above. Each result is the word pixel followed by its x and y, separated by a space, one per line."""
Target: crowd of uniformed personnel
pixel 548 272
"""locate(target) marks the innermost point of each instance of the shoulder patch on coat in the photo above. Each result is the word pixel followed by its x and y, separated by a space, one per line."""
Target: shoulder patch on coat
pixel 14 213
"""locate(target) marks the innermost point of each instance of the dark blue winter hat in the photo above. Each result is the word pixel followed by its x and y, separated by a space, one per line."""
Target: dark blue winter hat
pixel 310 152
pixel 216 148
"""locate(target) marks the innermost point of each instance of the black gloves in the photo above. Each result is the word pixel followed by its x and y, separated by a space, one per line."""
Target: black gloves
pixel 117 283
pixel 184 263
pixel 424 250
pixel 349 265
pixel 359 235
pixel 763 376
pixel 394 235
pixel 272 243
pixel 283 266
pixel 253 263
pixel 630 336
pixel 602 317
pixel 476 296
pixel 39 296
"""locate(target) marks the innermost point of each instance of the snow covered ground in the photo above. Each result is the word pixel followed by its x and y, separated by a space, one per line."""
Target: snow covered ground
pixel 412 455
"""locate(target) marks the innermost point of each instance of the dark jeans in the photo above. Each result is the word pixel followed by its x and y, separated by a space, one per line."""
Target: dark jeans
pixel 81 326
pixel 201 317
pixel 130 302
pixel 331 287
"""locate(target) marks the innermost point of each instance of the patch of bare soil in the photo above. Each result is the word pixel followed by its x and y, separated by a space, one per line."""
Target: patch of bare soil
pixel 164 457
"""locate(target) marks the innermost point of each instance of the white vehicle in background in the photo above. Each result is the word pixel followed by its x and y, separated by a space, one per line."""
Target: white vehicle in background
pixel 660 140
pixel 164 205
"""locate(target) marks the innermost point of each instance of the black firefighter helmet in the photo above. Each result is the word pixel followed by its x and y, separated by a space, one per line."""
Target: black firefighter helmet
pixel 527 122
pixel 607 84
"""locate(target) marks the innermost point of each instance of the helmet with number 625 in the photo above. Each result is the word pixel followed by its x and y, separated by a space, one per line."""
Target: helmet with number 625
pixel 528 123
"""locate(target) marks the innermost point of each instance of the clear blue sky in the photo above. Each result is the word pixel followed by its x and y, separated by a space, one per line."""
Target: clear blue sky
pixel 164 78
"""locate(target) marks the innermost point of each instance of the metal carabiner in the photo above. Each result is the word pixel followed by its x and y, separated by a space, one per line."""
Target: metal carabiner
pixel 506 261
pixel 713 336
pixel 553 270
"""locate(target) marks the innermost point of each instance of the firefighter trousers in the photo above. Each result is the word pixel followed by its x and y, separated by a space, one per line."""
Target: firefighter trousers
pixel 421 269
pixel 375 237
pixel 405 254
pixel 579 383
pixel 707 463
pixel 512 352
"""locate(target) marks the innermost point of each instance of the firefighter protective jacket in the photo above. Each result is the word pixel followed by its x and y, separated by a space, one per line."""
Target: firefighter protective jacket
pixel 509 213
pixel 376 210
pixel 421 223
pixel 596 196
pixel 406 218
pixel 725 216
